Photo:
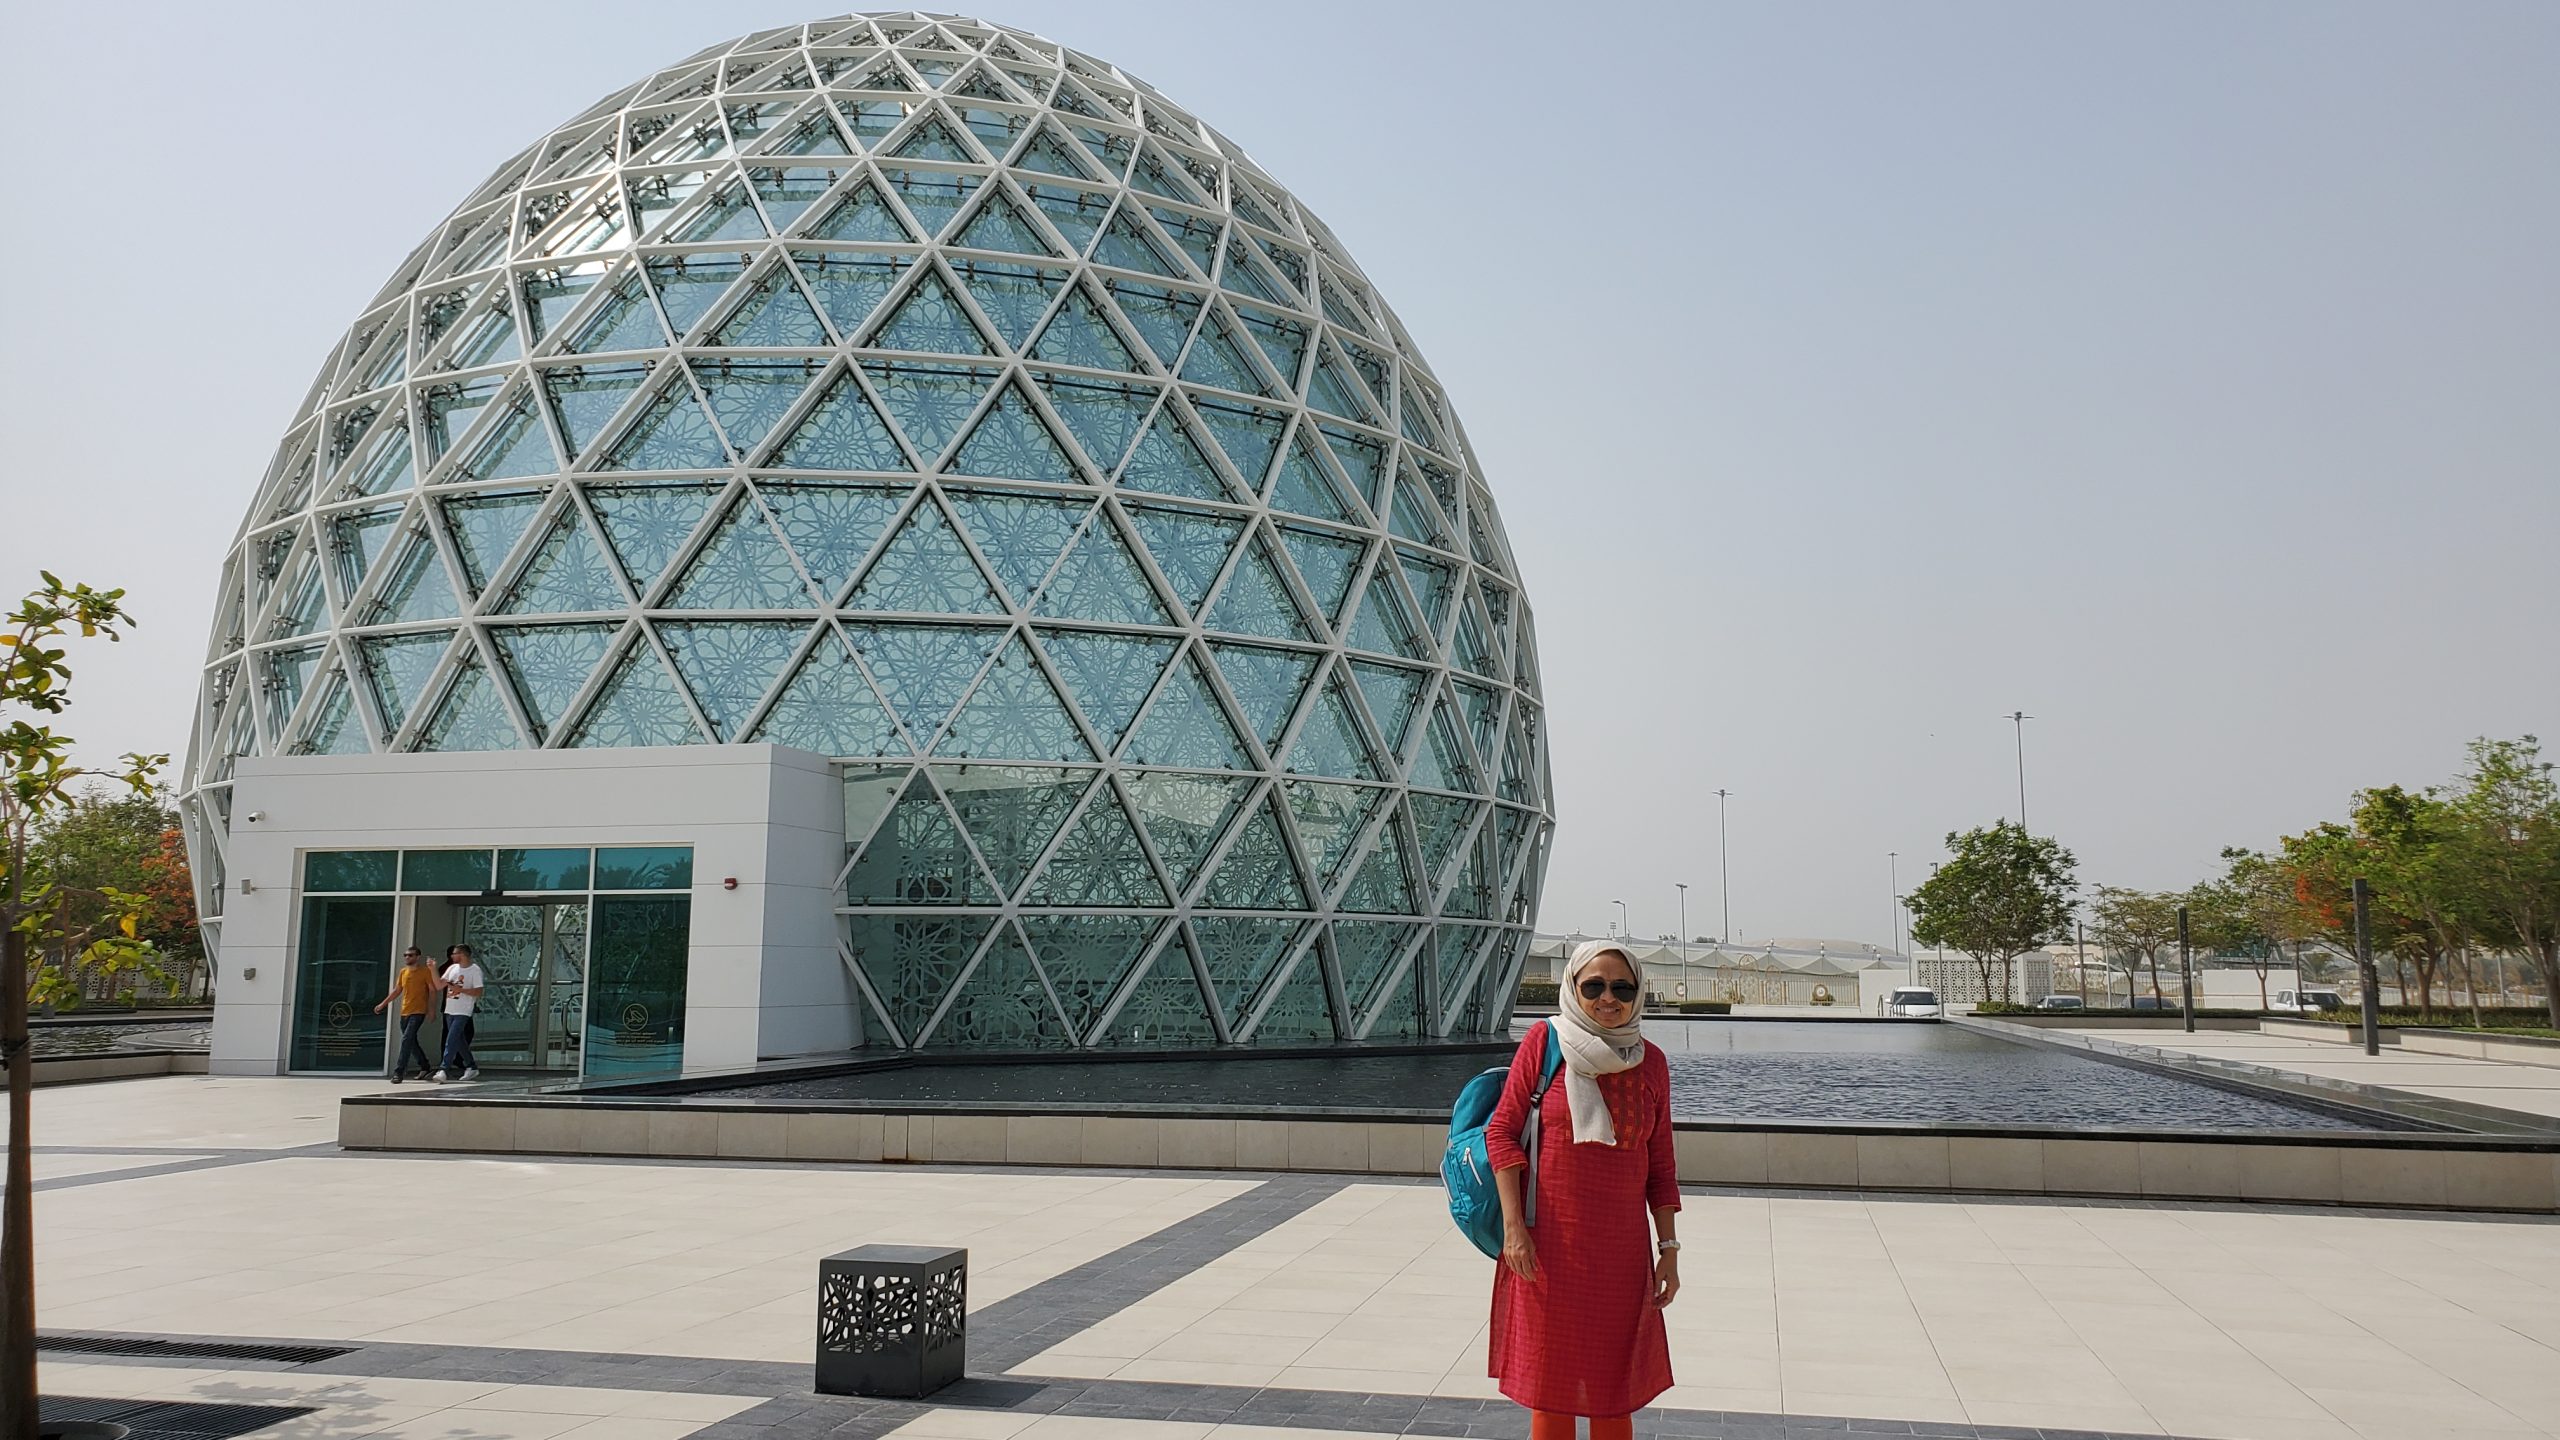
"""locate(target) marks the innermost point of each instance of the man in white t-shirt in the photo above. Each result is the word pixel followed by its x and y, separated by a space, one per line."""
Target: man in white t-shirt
pixel 462 982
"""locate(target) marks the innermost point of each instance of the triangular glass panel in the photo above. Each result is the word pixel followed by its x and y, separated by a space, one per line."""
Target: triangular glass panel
pixel 451 412
pixel 917 857
pixel 1087 957
pixel 929 402
pixel 1383 626
pixel 815 134
pixel 886 76
pixel 1012 296
pixel 415 587
pixel 472 716
pixel 1100 862
pixel 1399 1015
pixel 358 539
pixel 1165 1009
pixel 689 285
pixel 485 527
pixel 1049 155
pixel 1079 335
pixel 1241 953
pixel 1185 729
pixel 831 527
pixel 1014 714
pixel 1012 442
pixel 924 670
pixel 1381 887
pixel 1299 1012
pixel 1170 460
pixel 1126 244
pixel 748 397
pixel 994 128
pixel 1330 743
pixel 1100 580
pixel 625 321
pixel 1078 214
pixel 730 664
pixel 864 214
pixel 1249 434
pixel 1190 548
pixel 873 119
pixel 1020 535
pixel 1391 692
pixel 1328 391
pixel 728 215
pixel 584 398
pixel 1304 487
pixel 398 667
pixel 1282 339
pixel 843 431
pixel 1256 601
pixel 1216 360
pixel 647 524
pixel 388 468
pixel 933 140
pixel 1003 1005
pixel 1156 178
pixel 1363 459
pixel 743 566
pixel 913 961
pixel 934 196
pixel 774 315
pixel 924 568
pixel 1440 822
pixel 1012 812
pixel 1330 819
pixel 931 319
pixel 1469 895
pixel 998 225
pixel 1102 416
pixel 1326 562
pixel 672 433
pixel 514 446
pixel 1109 675
pixel 1163 318
pixel 1242 277
pixel 1470 648
pixel 1412 516
pixel 1197 236
pixel 850 287
pixel 567 575
pixel 829 708
pixel 1445 763
pixel 1184 815
pixel 1256 872
pixel 1431 582
pixel 549 665
pixel 1268 683
pixel 550 296
pixel 1483 707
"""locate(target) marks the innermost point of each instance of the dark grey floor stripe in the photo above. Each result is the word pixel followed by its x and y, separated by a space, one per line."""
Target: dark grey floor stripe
pixel 180 1167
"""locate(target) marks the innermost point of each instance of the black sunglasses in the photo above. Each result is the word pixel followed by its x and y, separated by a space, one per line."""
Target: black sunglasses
pixel 1624 990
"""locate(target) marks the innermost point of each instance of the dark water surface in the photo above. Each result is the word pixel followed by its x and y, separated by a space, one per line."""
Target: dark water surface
pixel 51 1040
pixel 1720 1070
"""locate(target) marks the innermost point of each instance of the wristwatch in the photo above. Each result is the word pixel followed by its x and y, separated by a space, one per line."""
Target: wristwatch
pixel 1665 1247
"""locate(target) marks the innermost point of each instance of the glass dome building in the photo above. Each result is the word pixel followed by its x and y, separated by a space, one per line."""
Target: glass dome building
pixel 920 475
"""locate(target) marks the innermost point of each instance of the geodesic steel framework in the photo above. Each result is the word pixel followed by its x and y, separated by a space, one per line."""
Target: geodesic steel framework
pixel 918 392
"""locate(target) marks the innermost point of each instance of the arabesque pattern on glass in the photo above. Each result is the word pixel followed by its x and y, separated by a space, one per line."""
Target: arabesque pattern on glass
pixel 920 392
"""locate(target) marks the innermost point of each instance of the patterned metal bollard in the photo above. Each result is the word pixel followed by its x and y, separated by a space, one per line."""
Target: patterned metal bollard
pixel 893 1320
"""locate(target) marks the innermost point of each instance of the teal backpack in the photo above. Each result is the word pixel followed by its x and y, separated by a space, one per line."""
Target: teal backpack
pixel 1467 1170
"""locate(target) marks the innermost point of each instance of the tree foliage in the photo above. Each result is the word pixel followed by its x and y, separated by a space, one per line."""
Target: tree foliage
pixel 2004 893
pixel 2138 924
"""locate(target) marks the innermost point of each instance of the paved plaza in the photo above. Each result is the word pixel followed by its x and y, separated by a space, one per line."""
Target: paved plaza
pixel 2500 1085
pixel 522 1300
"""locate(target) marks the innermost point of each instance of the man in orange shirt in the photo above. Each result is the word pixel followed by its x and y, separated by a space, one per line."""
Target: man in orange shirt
pixel 414 985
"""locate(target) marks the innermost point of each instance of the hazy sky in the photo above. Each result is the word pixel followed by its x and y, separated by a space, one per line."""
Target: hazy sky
pixel 1849 375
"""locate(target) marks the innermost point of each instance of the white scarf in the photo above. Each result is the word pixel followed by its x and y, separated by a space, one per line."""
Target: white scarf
pixel 1592 1050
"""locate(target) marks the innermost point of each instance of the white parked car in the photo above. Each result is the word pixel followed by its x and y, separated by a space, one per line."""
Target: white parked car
pixel 1910 1002
pixel 2308 999
pixel 2061 1002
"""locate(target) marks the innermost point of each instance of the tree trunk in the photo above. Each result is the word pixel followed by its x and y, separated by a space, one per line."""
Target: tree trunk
pixel 2400 971
pixel 17 1227
pixel 2471 984
pixel 2152 958
pixel 2549 954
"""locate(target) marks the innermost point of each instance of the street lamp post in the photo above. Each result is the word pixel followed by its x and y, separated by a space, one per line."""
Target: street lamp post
pixel 1683 888
pixel 1623 932
pixel 1724 869
pixel 1893 892
pixel 2020 719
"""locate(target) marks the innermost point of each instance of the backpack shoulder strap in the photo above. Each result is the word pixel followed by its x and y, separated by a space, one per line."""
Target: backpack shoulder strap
pixel 1551 1061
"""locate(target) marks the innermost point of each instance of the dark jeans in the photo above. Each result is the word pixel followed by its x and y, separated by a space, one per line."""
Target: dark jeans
pixel 409 1028
pixel 457 1044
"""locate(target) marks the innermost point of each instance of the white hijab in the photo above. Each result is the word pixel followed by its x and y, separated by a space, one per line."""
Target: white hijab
pixel 1592 1050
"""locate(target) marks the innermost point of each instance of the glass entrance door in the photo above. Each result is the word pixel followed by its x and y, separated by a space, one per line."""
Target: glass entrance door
pixel 534 955
pixel 344 971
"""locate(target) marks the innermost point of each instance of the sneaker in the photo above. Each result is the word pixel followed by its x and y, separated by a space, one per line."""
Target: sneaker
pixel 440 1077
pixel 471 1074
pixel 399 1075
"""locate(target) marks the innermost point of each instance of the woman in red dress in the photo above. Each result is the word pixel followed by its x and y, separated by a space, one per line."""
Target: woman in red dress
pixel 1578 1296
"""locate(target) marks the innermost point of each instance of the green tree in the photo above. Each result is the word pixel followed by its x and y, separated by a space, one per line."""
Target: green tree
pixel 122 842
pixel 2507 836
pixel 2249 911
pixel 2410 855
pixel 2138 923
pixel 39 918
pixel 2324 862
pixel 2004 893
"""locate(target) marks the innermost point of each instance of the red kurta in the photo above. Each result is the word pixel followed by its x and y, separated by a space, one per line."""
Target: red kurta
pixel 1584 1338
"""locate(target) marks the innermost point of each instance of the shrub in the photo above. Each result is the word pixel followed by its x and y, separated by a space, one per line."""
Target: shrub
pixel 1706 1007
pixel 1537 993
